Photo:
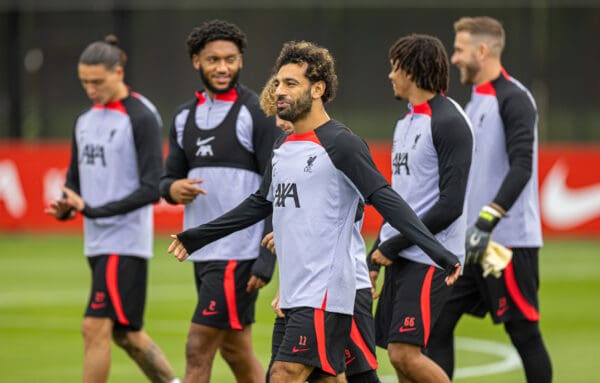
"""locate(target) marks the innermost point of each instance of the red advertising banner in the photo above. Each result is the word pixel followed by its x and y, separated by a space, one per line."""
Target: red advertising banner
pixel 31 175
pixel 570 190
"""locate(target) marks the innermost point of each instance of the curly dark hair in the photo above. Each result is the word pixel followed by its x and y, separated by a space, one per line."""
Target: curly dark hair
pixel 215 30
pixel 320 64
pixel 424 58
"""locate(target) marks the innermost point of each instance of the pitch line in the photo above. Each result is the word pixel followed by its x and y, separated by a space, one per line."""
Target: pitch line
pixel 510 359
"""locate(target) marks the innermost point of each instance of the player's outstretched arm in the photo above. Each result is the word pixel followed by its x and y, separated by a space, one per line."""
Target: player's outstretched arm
pixel 247 213
pixel 397 212
pixel 351 156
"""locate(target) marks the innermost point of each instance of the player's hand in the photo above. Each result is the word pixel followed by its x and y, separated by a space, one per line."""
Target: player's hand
pixel 379 259
pixel 60 209
pixel 185 190
pixel 177 249
pixel 454 275
pixel 254 283
pixel 275 306
pixel 479 235
pixel 373 275
pixel 268 242
pixel 475 244
pixel 73 199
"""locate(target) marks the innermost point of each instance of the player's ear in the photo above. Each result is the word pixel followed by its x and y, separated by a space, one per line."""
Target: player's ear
pixel 196 61
pixel 318 89
pixel 120 72
pixel 483 50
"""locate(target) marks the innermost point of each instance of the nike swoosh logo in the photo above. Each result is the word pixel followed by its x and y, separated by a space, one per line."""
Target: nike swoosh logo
pixel 206 312
pixel 407 329
pixel 350 360
pixel 564 208
pixel 96 306
pixel 294 349
pixel 475 239
pixel 204 141
pixel 501 311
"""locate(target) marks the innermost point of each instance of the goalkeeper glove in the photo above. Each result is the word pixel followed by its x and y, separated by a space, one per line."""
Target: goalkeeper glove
pixel 478 235
pixel 495 260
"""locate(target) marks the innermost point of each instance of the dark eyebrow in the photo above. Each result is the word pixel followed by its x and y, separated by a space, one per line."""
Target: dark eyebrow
pixel 291 79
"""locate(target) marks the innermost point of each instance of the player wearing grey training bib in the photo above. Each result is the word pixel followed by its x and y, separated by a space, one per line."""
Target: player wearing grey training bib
pixel 431 157
pixel 502 202
pixel 116 161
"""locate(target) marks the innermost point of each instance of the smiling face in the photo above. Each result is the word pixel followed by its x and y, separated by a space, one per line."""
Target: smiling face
pixel 465 58
pixel 401 82
pixel 219 64
pixel 293 92
pixel 101 84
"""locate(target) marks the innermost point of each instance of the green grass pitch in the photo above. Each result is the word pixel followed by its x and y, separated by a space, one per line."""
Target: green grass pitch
pixel 44 282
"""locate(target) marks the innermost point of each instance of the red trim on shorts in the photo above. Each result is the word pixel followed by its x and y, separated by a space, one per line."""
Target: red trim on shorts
pixel 112 284
pixel 528 311
pixel 229 288
pixel 359 341
pixel 426 304
pixel 310 136
pixel 319 321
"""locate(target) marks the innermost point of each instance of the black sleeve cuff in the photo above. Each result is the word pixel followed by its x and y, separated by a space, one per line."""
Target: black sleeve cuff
pixel 372 266
pixel 264 265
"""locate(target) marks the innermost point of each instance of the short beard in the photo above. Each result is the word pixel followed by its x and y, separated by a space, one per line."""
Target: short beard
pixel 214 90
pixel 471 71
pixel 297 109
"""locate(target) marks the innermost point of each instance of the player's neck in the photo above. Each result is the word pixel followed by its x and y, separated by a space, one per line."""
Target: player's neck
pixel 315 118
pixel 489 72
pixel 122 91
pixel 419 96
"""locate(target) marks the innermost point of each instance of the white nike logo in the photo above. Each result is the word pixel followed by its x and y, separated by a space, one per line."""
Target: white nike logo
pixel 205 141
pixel 564 208
pixel 475 239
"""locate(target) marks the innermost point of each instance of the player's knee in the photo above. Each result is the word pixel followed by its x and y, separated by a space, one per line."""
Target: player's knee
pixel 94 331
pixel 522 331
pixel 196 355
pixel 283 372
pixel 132 342
pixel 86 330
pixel 121 339
pixel 231 354
pixel 401 357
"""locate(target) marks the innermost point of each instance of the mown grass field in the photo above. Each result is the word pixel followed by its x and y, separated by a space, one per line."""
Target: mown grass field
pixel 44 283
